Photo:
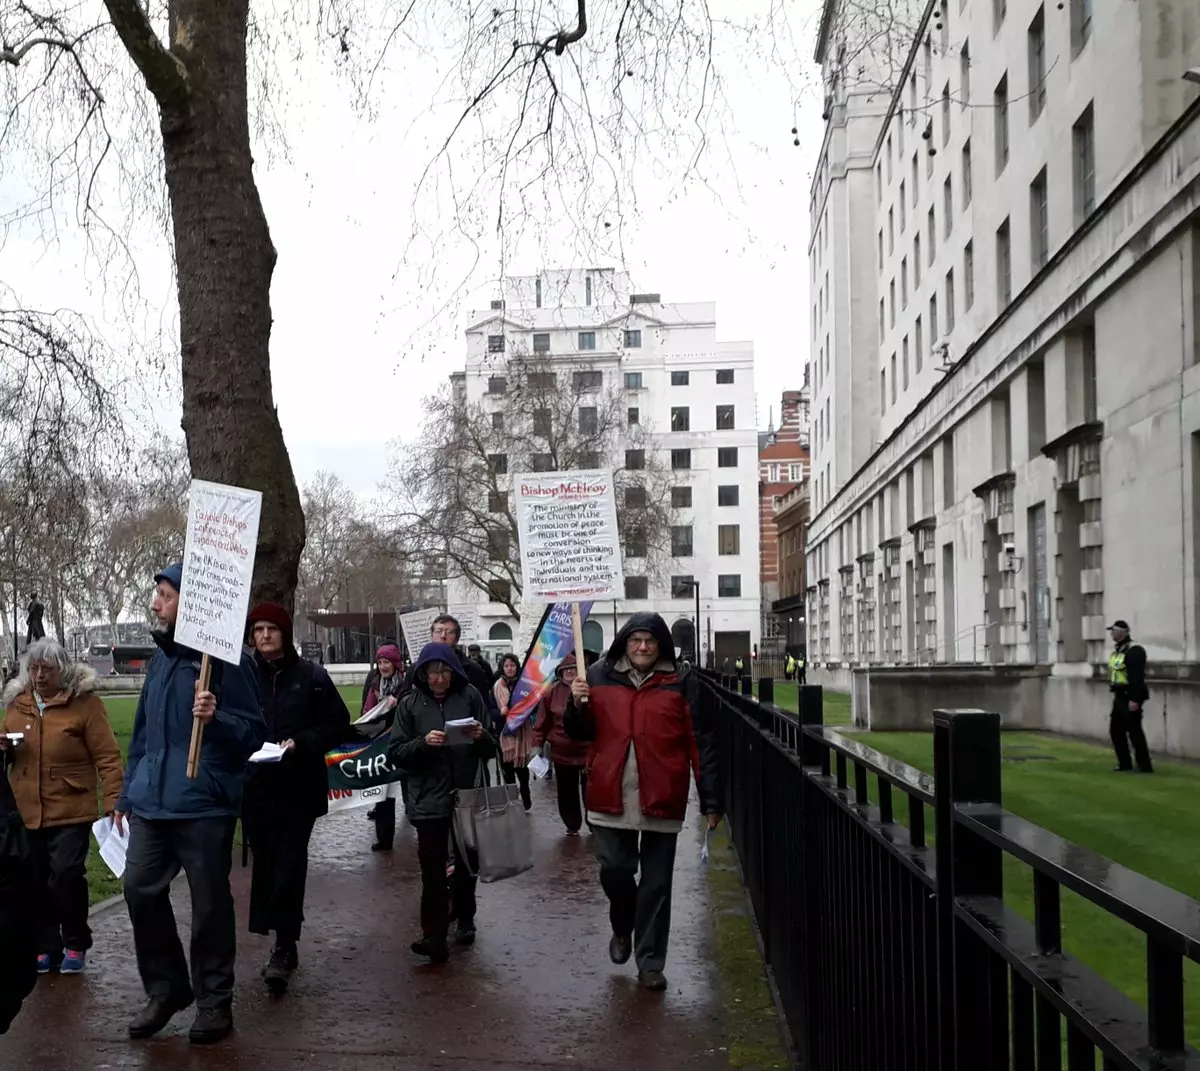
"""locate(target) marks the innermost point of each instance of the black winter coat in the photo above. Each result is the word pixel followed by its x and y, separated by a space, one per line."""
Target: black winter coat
pixel 300 703
pixel 18 939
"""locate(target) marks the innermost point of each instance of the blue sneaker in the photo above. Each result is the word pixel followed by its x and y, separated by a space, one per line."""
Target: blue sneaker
pixel 44 963
pixel 74 961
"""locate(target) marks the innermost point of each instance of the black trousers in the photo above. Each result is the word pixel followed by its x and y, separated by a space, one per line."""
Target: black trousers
pixel 279 848
pixel 60 864
pixel 638 908
pixel 435 842
pixel 1125 728
pixel 518 775
pixel 203 849
pixel 571 785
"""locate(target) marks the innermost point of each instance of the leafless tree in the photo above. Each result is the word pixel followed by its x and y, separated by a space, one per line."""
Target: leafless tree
pixel 542 416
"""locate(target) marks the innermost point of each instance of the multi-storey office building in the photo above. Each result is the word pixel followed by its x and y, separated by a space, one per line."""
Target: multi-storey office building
pixel 1012 240
pixel 695 393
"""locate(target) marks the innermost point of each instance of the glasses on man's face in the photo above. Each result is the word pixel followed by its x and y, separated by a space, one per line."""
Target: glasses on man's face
pixel 442 633
pixel 440 674
pixel 643 641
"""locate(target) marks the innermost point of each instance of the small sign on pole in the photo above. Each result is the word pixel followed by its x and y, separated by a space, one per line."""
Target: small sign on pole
pixel 415 626
pixel 570 546
pixel 218 568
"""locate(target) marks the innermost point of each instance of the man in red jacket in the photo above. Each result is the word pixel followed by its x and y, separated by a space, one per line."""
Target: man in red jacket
pixel 647 739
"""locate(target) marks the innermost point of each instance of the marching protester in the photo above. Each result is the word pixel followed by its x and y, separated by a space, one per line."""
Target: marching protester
pixel 436 768
pixel 18 940
pixel 186 823
pixel 53 773
pixel 647 734
pixel 515 748
pixel 303 711
pixel 387 681
pixel 569 755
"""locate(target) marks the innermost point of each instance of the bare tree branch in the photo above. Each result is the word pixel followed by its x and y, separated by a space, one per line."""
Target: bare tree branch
pixel 165 73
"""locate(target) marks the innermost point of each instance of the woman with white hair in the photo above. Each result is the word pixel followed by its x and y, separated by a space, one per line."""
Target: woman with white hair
pixel 59 748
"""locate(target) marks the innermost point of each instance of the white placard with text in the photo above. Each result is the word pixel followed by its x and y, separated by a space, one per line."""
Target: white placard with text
pixel 570 547
pixel 415 626
pixel 218 567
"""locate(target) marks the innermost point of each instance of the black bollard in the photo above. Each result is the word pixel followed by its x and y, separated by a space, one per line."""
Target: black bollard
pixel 766 689
pixel 747 686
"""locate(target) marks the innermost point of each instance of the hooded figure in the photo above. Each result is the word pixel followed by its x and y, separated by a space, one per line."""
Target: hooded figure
pixel 441 693
pixel 570 756
pixel 304 712
pixel 18 939
pixel 649 735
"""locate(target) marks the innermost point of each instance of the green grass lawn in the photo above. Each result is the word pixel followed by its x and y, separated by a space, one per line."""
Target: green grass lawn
pixel 837 704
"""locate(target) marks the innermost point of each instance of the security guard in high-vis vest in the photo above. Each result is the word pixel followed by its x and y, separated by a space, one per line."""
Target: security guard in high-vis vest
pixel 789 666
pixel 739 666
pixel 801 678
pixel 1127 681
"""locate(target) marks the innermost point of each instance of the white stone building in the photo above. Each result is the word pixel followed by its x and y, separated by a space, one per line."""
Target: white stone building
pixel 1005 272
pixel 698 395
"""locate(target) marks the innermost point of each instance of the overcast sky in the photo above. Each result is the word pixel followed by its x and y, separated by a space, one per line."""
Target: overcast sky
pixel 363 324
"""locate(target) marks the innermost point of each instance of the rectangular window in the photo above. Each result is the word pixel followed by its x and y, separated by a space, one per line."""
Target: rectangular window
pixel 637 587
pixel 947 207
pixel 1039 222
pixel 796 469
pixel 892 305
pixel 635 544
pixel 543 380
pixel 904 363
pixel 945 115
pixel 497 501
pixel 681 459
pixel 919 345
pixel 635 459
pixel 541 343
pixel 499 591
pixel 1083 145
pixel 729 586
pixel 904 283
pixel 679 379
pixel 727 457
pixel 880 253
pixel 587 340
pixel 964 75
pixel 498 545
pixel 727 494
pixel 633 415
pixel 495 343
pixel 681 498
pixel 903 209
pixel 587 283
pixel 882 327
pixel 724 418
pixel 879 183
pixel 949 308
pixel 891 231
pixel 725 375
pixel 586 459
pixel 1000 121
pixel 931 226
pixel 497 385
pixel 729 539
pixel 916 180
pixel 682 586
pixel 883 390
pixel 933 319
pixel 999 10
pixel 498 463
pixel 633 380
pixel 589 380
pixel 1081 25
pixel 635 497
pixel 589 420
pixel 633 339
pixel 1037 66
pixel 969 275
pixel 895 378
pixel 497 422
pixel 543 424
pixel 966 173
pixel 537 292
pixel 681 541
pixel 1003 266
pixel 889 159
pixel 917 262
pixel 681 418
pixel 542 463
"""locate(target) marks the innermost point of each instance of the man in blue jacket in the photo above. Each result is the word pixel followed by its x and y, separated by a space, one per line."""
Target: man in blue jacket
pixel 186 824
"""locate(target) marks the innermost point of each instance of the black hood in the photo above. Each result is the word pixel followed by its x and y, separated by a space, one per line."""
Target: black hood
pixel 644 622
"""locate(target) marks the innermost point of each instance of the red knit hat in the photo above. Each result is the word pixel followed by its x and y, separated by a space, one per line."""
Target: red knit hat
pixel 273 614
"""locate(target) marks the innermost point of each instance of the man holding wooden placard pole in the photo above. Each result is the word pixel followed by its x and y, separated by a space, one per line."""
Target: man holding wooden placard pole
pixel 198 721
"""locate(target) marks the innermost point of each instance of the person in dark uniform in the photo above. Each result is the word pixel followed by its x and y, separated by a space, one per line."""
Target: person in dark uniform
pixel 1127 681
pixel 34 629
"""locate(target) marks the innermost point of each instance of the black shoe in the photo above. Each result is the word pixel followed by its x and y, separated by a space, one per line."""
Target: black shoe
pixel 432 948
pixel 1122 769
pixel 620 948
pixel 465 933
pixel 211 1025
pixel 278 971
pixel 156 1014
pixel 655 981
pixel 380 846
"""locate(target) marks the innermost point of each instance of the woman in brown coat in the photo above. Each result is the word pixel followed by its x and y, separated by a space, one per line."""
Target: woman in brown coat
pixel 65 741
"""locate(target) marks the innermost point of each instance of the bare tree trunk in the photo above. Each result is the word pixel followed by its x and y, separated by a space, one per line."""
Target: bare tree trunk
pixel 224 262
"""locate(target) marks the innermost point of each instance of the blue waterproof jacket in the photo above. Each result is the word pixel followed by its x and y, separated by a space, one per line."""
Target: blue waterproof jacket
pixel 156 781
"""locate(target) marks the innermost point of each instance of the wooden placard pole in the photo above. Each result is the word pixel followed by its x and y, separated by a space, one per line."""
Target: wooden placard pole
pixel 577 630
pixel 193 763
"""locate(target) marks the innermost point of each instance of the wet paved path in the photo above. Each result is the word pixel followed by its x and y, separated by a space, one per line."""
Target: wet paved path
pixel 536 991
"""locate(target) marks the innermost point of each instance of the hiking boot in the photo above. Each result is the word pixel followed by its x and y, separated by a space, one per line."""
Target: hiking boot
pixel 620 948
pixel 654 981
pixel 211 1025
pixel 465 933
pixel 432 948
pixel 74 961
pixel 278 971
pixel 156 1014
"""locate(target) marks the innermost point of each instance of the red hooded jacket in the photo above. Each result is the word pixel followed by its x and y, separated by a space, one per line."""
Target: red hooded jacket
pixel 564 750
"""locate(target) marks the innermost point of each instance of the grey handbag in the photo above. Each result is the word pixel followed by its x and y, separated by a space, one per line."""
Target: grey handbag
pixel 491 822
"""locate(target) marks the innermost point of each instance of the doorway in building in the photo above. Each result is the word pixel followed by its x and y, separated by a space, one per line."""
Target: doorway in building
pixel 500 631
pixel 683 632
pixel 732 646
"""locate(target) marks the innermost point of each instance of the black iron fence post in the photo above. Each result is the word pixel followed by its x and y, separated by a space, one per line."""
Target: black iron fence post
pixel 766 689
pixel 812 713
pixel 747 683
pixel 972 986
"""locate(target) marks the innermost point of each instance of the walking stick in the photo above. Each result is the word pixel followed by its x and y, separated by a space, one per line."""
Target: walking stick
pixel 193 763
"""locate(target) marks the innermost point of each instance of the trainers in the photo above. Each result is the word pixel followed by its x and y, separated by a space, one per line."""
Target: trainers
pixel 44 963
pixel 465 933
pixel 74 961
pixel 655 981
pixel 620 948
pixel 432 948
pixel 156 1014
pixel 278 971
pixel 211 1025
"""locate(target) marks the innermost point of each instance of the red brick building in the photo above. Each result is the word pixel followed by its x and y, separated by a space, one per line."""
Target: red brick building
pixel 783 465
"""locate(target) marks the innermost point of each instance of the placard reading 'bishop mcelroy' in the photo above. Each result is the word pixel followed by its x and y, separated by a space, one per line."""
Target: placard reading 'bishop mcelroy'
pixel 570 548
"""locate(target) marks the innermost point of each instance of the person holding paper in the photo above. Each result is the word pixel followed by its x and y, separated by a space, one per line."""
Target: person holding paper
pixel 570 756
pixel 647 733
pixel 436 768
pixel 515 748
pixel 303 713
pixel 181 823
pixel 67 753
